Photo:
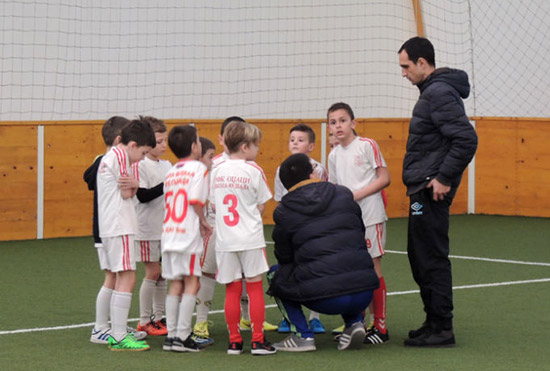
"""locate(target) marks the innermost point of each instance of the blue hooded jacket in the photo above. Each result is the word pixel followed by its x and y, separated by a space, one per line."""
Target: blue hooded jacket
pixel 441 139
pixel 320 244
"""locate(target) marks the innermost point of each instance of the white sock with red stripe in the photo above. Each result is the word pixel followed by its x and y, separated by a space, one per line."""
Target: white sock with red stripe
pixel 204 297
pixel 146 292
pixel 120 307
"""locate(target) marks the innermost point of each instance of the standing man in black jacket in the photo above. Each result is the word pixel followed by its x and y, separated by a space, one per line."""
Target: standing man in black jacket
pixel 440 145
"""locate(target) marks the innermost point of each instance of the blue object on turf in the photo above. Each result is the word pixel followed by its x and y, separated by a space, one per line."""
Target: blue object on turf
pixel 284 327
pixel 316 326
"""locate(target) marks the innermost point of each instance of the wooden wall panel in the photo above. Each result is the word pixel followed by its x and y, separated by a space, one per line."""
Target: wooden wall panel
pixel 513 167
pixel 18 182
pixel 68 151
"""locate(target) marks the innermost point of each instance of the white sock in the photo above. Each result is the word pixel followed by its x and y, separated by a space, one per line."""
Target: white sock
pixel 120 307
pixel 103 308
pixel 204 297
pixel 146 292
pixel 244 303
pixel 313 315
pixel 159 299
pixel 172 311
pixel 187 306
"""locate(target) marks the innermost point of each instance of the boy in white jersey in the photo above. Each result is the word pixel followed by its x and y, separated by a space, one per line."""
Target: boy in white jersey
pixel 150 173
pixel 209 266
pixel 102 329
pixel 118 225
pixel 239 192
pixel 185 226
pixel 357 163
pixel 301 140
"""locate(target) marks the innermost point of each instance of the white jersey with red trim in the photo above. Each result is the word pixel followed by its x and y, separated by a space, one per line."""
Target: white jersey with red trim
pixel 185 184
pixel 354 166
pixel 117 217
pixel 280 189
pixel 238 187
pixel 150 215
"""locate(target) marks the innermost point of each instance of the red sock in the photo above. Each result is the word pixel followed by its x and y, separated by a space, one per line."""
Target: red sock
pixel 257 309
pixel 232 308
pixel 379 306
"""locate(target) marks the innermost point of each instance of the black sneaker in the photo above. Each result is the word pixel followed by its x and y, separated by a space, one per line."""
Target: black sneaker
pixel 187 345
pixel 262 349
pixel 374 336
pixel 235 348
pixel 167 346
pixel 443 338
pixel 419 331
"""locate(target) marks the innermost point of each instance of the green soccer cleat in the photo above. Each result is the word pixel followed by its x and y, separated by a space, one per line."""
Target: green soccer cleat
pixel 128 344
pixel 201 329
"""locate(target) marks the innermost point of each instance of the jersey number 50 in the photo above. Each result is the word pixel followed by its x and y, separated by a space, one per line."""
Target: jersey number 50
pixel 171 203
pixel 233 219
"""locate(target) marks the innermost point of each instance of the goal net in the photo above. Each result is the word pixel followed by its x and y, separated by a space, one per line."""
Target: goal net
pixel 83 60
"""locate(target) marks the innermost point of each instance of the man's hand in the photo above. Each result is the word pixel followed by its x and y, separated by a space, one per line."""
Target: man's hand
pixel 439 189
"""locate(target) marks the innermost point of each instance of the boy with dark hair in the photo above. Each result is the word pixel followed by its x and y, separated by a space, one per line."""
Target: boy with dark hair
pixel 150 173
pixel 118 225
pixel 357 163
pixel 100 333
pixel 326 269
pixel 185 226
pixel 301 140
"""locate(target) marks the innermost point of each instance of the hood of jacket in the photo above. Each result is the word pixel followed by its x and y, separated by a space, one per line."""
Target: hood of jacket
pixel 309 200
pixel 458 79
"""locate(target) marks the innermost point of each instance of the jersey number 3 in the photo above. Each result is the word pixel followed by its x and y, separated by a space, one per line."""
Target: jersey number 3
pixel 233 219
pixel 171 203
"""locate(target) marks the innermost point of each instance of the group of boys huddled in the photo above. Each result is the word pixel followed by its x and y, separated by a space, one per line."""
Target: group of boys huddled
pixel 199 222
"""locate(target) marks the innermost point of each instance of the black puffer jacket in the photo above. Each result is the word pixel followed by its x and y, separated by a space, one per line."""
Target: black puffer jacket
pixel 320 244
pixel 441 140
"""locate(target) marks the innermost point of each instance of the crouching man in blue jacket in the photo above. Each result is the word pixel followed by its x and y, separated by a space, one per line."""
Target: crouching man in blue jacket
pixel 323 260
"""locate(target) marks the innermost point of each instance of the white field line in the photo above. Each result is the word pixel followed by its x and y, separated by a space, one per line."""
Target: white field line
pixel 89 324
pixel 482 259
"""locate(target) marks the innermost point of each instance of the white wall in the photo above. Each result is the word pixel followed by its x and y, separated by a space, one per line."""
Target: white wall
pixel 276 59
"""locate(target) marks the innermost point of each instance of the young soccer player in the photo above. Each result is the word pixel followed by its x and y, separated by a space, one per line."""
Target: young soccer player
pixel 209 266
pixel 357 163
pixel 239 192
pixel 102 330
pixel 118 225
pixel 301 140
pixel 150 173
pixel 185 226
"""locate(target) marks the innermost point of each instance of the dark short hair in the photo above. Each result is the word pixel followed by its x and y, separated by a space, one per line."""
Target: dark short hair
pixel 206 144
pixel 181 139
pixel 305 129
pixel 140 132
pixel 112 129
pixel 341 105
pixel 228 120
pixel 294 169
pixel 419 47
